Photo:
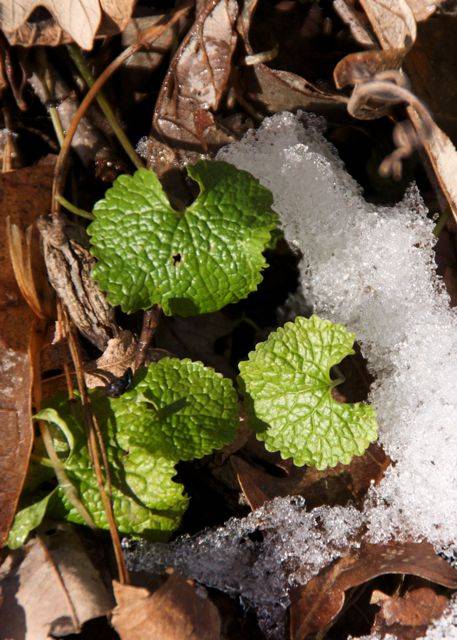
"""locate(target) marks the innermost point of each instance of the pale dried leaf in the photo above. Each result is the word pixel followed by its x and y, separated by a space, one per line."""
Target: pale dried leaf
pixel 355 21
pixel 442 155
pixel 176 611
pixel 392 21
pixel 423 9
pixel 277 90
pixel 72 20
pixel 54 589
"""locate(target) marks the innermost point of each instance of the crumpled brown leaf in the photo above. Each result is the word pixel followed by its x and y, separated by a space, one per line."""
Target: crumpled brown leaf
pixel 49 587
pixel 274 89
pixel 196 81
pixel 337 486
pixel 118 356
pixel 316 605
pixel 77 20
pixel 24 195
pixel 176 611
pixel 408 617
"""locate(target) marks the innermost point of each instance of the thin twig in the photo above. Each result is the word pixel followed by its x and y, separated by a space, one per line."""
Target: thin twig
pixel 146 36
pixel 96 449
pixel 59 469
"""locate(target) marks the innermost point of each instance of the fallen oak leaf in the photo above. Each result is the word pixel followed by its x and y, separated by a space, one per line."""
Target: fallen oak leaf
pixel 18 189
pixel 315 606
pixel 70 588
pixel 176 611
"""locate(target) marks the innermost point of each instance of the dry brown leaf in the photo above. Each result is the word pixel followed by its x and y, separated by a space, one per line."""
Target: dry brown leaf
pixel 336 486
pixel 77 20
pixel 394 24
pixel 356 21
pixel 276 90
pixel 118 356
pixel 315 606
pixel 196 81
pixel 50 587
pixel 408 617
pixel 176 611
pixel 24 195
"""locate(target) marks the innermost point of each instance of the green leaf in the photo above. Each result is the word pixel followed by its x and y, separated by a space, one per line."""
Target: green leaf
pixel 50 415
pixel 151 478
pixel 192 261
pixel 287 380
pixel 177 409
pixel 136 509
pixel 26 520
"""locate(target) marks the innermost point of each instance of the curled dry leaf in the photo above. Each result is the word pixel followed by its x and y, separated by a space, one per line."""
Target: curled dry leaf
pixel 277 90
pixel 408 617
pixel 176 611
pixel 315 606
pixel 18 190
pixel 196 81
pixel 118 356
pixel 78 20
pixel 394 25
pixel 50 587
pixel 69 266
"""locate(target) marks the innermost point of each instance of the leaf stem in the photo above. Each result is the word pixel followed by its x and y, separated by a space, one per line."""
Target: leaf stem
pixel 74 209
pixel 80 63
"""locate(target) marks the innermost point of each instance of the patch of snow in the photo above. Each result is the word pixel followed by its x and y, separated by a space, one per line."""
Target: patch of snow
pixel 371 268
pixel 258 557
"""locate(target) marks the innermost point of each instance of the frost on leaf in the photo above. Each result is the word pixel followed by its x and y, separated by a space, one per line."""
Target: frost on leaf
pixel 287 379
pixel 192 261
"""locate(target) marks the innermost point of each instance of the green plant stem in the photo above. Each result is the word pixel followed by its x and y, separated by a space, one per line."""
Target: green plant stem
pixel 80 63
pixel 74 209
pixel 61 475
pixel 441 222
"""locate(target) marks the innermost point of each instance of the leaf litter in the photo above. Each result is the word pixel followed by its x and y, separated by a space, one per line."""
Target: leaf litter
pixel 344 523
